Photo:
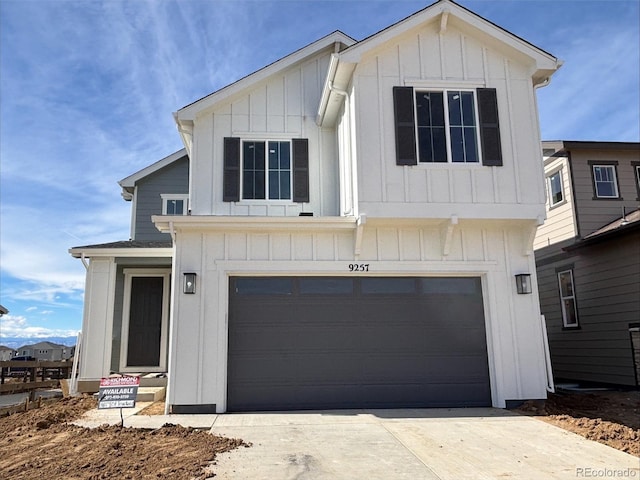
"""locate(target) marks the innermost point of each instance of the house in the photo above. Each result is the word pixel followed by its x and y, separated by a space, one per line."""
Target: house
pixel 45 351
pixel 6 353
pixel 588 260
pixel 136 275
pixel 357 214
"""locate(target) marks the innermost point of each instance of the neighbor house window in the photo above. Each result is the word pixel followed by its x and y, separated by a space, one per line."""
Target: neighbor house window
pixel 636 168
pixel 556 194
pixel 266 170
pixel 174 204
pixel 605 183
pixel 568 298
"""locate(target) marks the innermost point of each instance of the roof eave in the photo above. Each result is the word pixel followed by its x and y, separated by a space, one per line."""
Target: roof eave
pixel 120 252
pixel 189 112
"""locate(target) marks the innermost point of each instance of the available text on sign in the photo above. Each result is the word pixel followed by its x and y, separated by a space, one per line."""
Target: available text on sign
pixel 118 392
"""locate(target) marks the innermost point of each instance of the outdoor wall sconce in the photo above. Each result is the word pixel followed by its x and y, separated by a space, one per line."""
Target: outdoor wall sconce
pixel 189 283
pixel 523 283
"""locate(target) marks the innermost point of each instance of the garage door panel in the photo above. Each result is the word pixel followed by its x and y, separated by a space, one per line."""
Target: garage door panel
pixel 352 342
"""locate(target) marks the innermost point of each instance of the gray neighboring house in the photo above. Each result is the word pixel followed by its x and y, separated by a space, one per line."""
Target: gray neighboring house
pixel 45 351
pixel 588 260
pixel 138 306
pixel 6 353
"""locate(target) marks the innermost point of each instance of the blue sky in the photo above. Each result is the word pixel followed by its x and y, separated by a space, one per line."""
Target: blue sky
pixel 88 87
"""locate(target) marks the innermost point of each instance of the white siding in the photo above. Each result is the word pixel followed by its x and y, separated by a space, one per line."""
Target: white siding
pixel 97 323
pixel 560 223
pixel 489 249
pixel 281 107
pixel 426 59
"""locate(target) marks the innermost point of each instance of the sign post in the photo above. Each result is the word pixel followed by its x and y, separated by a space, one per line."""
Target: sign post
pixel 118 392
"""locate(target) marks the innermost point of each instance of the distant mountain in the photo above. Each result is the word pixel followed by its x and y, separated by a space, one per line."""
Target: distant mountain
pixel 15 342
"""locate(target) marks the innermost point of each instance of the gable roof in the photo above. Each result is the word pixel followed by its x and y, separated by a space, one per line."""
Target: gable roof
pixel 124 248
pixel 188 112
pixel 128 183
pixel 43 345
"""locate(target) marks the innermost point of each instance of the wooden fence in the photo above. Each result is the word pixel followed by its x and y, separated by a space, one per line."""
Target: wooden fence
pixel 34 374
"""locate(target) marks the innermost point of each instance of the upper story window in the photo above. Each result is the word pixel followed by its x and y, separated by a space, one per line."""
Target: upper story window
pixel 636 171
pixel 605 182
pixel 174 204
pixel 266 170
pixel 568 298
pixel 556 191
pixel 442 126
pixel 450 136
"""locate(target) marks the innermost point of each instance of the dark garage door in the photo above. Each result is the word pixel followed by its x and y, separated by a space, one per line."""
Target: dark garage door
pixel 300 343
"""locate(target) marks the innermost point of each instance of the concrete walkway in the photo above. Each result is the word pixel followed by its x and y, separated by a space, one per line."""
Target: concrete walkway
pixel 415 444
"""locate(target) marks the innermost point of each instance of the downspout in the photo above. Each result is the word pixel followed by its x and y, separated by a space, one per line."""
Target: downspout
pixel 83 259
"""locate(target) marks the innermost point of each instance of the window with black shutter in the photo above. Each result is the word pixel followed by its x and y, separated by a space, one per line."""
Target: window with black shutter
pixel 446 126
pixel 268 170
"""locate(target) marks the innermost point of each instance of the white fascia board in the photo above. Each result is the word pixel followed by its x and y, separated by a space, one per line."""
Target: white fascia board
pixel 169 224
pixel 545 63
pixel 190 112
pixel 128 183
pixel 120 252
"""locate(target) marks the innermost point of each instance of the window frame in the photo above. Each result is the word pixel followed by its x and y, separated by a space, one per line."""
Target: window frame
pixel 636 173
pixel 167 197
pixel 447 124
pixel 549 176
pixel 266 142
pixel 565 323
pixel 613 166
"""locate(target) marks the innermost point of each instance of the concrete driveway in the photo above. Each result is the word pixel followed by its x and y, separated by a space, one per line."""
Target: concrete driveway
pixel 413 444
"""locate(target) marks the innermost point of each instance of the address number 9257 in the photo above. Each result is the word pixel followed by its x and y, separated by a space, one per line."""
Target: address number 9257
pixel 358 267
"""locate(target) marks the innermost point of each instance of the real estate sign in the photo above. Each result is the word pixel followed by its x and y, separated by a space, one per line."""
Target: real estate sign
pixel 118 392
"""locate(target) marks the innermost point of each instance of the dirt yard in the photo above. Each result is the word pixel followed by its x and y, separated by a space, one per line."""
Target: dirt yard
pixel 40 444
pixel 608 417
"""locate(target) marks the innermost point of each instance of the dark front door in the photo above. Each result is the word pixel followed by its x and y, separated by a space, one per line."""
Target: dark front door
pixel 145 322
pixel 343 342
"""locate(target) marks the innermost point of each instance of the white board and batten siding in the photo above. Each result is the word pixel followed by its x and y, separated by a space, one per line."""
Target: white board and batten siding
pixel 423 58
pixel 281 107
pixel 490 250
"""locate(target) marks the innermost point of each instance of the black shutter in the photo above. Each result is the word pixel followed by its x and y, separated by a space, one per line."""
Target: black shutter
pixel 405 126
pixel 489 127
pixel 300 170
pixel 231 181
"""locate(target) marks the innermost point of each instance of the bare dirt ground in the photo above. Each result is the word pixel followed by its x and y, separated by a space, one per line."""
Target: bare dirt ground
pixel 608 417
pixel 39 445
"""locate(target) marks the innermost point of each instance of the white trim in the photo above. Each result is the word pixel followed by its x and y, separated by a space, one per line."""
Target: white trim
pixel 130 181
pixel 267 171
pixel 614 180
pixel 214 222
pixel 129 273
pixel 556 171
pixel 190 111
pixel 447 126
pixel 486 270
pixel 572 297
pixel 122 252
pixel 174 196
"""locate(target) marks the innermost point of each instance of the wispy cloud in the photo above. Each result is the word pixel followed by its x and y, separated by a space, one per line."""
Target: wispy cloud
pixel 18 326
